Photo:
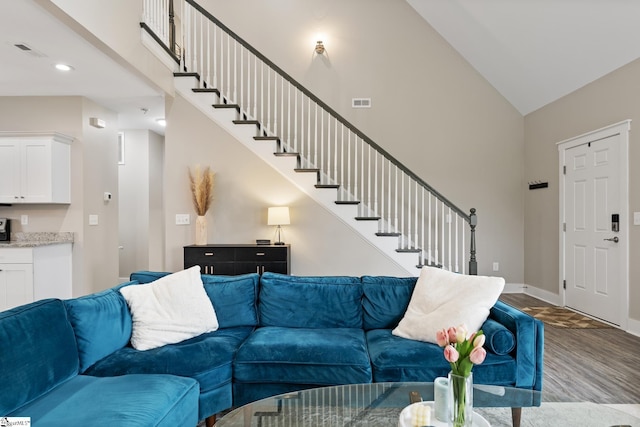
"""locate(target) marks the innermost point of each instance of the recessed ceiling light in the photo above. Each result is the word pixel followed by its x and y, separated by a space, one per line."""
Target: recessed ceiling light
pixel 162 122
pixel 64 67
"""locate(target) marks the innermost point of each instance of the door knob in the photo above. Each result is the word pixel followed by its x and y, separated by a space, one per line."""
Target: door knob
pixel 613 239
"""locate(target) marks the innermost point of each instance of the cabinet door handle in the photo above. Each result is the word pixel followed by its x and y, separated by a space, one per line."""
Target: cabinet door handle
pixel 206 269
pixel 260 254
pixel 208 254
pixel 258 269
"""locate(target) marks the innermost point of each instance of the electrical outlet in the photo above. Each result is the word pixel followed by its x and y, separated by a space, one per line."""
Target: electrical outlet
pixel 24 219
pixel 93 219
pixel 496 266
pixel 636 218
pixel 183 219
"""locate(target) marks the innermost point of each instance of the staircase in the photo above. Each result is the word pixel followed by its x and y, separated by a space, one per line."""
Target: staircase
pixel 308 142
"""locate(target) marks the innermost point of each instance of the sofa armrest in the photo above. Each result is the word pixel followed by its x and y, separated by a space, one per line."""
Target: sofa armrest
pixel 529 350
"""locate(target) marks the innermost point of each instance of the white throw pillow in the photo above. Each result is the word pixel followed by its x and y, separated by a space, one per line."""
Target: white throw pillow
pixel 442 299
pixel 169 310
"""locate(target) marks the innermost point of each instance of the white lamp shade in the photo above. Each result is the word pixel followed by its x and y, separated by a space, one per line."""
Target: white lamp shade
pixel 278 216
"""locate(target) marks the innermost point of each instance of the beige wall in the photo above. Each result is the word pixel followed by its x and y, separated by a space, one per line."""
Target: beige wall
pixel 244 188
pixel 611 99
pixel 430 108
pixel 93 171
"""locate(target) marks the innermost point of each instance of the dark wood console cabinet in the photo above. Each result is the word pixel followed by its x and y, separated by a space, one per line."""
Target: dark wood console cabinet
pixel 238 259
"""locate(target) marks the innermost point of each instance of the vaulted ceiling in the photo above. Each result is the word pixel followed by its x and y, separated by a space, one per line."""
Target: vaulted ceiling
pixel 532 51
pixel 536 51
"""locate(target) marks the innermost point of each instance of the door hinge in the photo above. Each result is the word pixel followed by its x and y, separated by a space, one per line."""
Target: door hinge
pixel 564 284
pixel 564 226
pixel 564 170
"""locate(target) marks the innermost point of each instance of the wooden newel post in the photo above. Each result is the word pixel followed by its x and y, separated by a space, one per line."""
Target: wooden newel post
pixel 172 28
pixel 473 264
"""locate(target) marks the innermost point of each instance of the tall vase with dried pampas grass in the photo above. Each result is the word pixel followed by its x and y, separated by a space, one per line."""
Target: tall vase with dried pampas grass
pixel 202 196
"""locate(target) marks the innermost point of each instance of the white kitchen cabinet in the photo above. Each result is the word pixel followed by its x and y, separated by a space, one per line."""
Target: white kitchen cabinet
pixel 29 274
pixel 35 168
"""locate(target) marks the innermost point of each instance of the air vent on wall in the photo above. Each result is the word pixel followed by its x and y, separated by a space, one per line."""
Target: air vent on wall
pixel 29 50
pixel 361 102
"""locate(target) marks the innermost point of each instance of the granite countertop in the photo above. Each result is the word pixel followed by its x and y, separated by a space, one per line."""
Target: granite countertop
pixel 35 239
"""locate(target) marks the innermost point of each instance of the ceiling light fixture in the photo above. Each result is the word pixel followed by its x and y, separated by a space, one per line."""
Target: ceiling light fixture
pixel 64 67
pixel 162 122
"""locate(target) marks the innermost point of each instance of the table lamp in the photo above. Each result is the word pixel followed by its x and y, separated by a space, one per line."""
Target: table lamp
pixel 278 216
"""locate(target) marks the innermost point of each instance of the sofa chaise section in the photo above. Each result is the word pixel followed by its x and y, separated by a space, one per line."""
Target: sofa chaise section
pixel 206 358
pixel 40 379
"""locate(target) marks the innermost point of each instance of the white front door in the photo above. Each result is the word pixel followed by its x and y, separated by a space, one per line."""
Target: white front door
pixel 596 223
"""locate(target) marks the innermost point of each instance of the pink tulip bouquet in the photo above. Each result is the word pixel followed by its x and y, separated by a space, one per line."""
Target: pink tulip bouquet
pixel 460 351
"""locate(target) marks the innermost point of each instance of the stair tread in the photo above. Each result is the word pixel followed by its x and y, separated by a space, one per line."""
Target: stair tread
pixel 306 170
pixel 236 106
pixel 409 250
pixel 246 122
pixel 429 265
pixel 368 218
pixel 286 154
pixel 388 234
pixel 187 74
pixel 206 90
pixel 336 186
pixel 347 202
pixel 266 138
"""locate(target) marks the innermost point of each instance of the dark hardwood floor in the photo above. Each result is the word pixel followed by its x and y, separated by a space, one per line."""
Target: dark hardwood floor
pixel 593 365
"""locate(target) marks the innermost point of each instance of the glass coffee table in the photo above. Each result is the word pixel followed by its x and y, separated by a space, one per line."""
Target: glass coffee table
pixel 380 404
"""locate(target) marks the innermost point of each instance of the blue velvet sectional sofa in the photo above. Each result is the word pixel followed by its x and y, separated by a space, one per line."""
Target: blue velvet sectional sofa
pixel 71 361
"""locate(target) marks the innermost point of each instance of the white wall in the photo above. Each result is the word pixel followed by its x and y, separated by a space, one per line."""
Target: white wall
pixel 140 201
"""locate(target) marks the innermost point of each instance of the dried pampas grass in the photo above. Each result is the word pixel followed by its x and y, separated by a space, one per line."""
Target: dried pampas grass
pixel 201 189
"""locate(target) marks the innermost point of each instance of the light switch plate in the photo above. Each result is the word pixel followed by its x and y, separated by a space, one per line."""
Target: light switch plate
pixel 183 219
pixel 636 218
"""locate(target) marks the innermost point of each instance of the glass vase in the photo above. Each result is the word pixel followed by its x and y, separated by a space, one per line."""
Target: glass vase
pixel 460 400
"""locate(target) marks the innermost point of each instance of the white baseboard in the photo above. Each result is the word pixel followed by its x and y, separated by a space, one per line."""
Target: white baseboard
pixel 633 327
pixel 514 288
pixel 541 294
pixel 544 295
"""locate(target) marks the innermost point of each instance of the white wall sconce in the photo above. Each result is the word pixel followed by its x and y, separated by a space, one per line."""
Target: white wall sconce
pixel 278 216
pixel 319 49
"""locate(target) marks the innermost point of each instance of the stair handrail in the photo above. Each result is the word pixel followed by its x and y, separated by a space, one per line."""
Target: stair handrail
pixel 470 218
pixel 330 110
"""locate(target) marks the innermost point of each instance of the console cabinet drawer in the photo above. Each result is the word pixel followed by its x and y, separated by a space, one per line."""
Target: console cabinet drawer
pixel 238 259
